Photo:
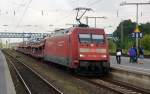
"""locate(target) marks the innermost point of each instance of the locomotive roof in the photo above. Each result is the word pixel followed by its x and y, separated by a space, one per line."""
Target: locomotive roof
pixel 65 31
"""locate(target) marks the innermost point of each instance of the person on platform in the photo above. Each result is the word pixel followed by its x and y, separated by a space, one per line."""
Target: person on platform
pixel 136 54
pixel 132 55
pixel 118 55
pixel 141 55
pixel 141 52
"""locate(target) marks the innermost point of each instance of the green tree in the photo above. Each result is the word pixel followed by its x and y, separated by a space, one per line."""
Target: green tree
pixel 128 28
pixel 145 28
pixel 145 42
pixel 1 45
pixel 112 46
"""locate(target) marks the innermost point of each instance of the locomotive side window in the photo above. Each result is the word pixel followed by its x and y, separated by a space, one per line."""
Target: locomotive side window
pixel 97 38
pixel 85 38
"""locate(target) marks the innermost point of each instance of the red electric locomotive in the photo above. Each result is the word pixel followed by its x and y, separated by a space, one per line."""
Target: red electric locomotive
pixel 82 49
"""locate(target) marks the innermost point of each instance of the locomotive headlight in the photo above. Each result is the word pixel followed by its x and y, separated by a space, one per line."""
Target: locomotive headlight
pixel 104 56
pixel 81 55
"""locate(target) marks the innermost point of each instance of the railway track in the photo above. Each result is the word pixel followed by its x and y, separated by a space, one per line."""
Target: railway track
pixel 32 81
pixel 118 87
pixel 127 85
pixel 115 87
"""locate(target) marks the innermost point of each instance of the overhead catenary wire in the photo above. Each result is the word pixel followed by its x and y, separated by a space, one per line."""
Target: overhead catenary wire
pixel 15 9
pixel 94 3
pixel 89 1
pixel 65 17
pixel 20 5
pixel 26 8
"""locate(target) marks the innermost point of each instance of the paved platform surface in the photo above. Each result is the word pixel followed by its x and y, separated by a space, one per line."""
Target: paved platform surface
pixel 145 67
pixel 6 84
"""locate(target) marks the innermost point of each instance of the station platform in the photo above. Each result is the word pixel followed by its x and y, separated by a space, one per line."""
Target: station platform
pixel 6 84
pixel 142 68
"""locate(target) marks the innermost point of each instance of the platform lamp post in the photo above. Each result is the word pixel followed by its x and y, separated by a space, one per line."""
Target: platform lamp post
pixel 137 10
pixel 121 29
pixel 122 32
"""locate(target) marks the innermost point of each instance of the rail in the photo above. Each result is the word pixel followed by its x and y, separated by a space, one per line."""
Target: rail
pixel 35 76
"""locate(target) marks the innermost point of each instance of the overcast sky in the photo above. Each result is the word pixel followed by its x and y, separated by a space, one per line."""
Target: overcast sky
pixel 40 14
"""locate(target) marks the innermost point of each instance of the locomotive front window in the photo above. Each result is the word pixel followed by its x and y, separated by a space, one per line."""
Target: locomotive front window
pixel 85 38
pixel 97 38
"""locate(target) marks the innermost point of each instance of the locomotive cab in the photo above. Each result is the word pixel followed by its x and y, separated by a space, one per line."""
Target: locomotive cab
pixel 92 46
pixel 92 51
